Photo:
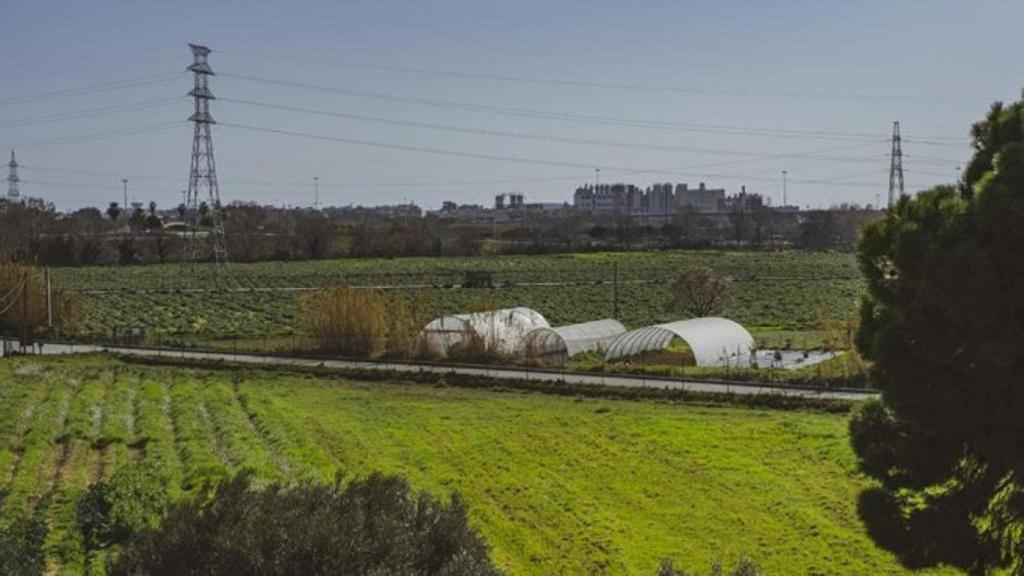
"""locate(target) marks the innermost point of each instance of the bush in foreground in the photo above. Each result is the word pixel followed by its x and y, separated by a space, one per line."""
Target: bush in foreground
pixel 131 501
pixel 375 525
pixel 21 545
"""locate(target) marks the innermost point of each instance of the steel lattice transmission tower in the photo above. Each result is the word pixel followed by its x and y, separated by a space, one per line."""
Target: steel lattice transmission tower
pixel 13 194
pixel 895 166
pixel 202 179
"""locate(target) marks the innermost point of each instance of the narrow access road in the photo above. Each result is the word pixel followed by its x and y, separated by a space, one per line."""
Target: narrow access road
pixel 503 373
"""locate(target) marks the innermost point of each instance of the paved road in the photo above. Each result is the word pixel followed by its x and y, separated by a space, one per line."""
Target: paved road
pixel 623 381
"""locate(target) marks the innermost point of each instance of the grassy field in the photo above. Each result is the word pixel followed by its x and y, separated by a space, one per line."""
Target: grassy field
pixel 557 485
pixel 776 294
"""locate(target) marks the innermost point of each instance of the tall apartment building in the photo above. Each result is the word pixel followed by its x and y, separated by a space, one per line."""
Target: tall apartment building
pixel 660 200
pixel 701 199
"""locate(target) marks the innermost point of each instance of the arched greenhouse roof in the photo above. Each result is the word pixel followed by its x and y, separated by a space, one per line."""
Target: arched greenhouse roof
pixel 502 330
pixel 714 341
pixel 567 341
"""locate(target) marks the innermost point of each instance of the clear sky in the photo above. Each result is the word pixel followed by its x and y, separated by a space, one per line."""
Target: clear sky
pixel 460 100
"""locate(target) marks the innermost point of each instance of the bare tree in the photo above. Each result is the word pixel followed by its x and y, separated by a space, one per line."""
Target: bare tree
pixel 700 291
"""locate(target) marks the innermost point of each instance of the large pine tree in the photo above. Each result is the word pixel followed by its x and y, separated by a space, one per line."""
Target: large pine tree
pixel 943 323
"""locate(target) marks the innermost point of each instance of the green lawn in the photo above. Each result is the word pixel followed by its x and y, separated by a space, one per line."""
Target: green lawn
pixel 556 485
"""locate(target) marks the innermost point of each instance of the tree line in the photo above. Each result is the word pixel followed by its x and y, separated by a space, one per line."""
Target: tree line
pixel 34 231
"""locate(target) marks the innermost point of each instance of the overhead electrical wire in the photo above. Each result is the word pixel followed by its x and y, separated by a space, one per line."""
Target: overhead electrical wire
pixel 106 64
pixel 527 135
pixel 8 305
pixel 504 158
pixel 91 112
pixel 88 89
pixel 613 85
pixel 322 182
pixel 127 131
pixel 94 186
pixel 570 116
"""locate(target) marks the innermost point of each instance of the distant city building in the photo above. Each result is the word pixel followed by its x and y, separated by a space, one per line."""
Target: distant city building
pixel 395 211
pixel 660 200
pixel 701 199
pixel 609 199
pixel 743 202
pixel 515 201
pixel 451 209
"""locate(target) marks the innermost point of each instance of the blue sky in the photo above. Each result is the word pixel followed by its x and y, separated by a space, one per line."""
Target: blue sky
pixel 730 93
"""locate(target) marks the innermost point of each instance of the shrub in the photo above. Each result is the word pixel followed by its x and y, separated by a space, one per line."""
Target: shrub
pixel 700 291
pixel 874 438
pixel 346 320
pixel 21 545
pixel 132 500
pixel 375 525
pixel 404 322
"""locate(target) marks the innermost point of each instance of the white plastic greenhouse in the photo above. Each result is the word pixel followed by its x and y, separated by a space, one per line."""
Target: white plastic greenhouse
pixel 499 331
pixel 554 346
pixel 714 341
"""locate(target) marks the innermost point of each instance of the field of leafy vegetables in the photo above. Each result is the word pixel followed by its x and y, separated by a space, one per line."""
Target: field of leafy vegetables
pixel 773 292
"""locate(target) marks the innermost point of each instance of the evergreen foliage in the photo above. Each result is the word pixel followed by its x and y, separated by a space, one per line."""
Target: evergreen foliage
pixel 375 525
pixel 944 325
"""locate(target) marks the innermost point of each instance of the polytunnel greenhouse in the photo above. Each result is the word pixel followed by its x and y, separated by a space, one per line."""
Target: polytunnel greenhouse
pixel 714 341
pixel 553 346
pixel 491 332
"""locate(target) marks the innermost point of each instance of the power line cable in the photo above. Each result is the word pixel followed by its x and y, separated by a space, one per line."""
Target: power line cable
pixel 129 131
pixel 618 85
pixel 90 113
pixel 112 186
pixel 89 89
pixel 300 183
pixel 12 291
pixel 503 158
pixel 106 65
pixel 530 136
pixel 11 304
pixel 569 116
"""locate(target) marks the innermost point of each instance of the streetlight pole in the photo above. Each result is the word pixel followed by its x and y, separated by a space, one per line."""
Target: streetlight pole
pixel 784 202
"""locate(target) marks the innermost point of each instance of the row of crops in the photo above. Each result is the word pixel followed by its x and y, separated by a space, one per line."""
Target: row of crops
pixel 777 290
pixel 59 433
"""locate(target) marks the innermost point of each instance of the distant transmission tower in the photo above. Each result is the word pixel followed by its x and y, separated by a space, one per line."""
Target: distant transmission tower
pixel 203 174
pixel 895 166
pixel 13 194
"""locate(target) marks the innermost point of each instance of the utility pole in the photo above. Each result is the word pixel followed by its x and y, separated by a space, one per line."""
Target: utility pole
pixel 316 192
pixel 895 166
pixel 24 311
pixel 615 290
pixel 784 202
pixel 49 300
pixel 13 194
pixel 203 172
pixel 124 182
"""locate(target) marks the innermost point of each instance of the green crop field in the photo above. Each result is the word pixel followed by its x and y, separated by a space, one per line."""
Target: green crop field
pixel 557 485
pixel 774 292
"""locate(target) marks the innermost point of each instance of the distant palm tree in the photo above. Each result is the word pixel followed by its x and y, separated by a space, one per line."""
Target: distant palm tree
pixel 153 219
pixel 113 212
